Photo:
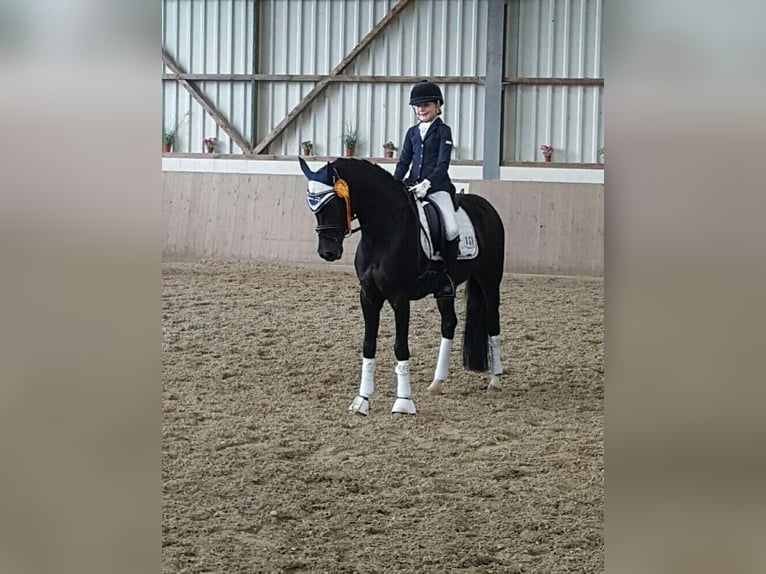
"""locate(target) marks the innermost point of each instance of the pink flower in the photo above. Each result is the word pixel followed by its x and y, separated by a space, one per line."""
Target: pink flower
pixel 547 150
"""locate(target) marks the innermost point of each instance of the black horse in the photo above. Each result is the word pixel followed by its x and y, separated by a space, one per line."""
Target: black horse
pixel 391 266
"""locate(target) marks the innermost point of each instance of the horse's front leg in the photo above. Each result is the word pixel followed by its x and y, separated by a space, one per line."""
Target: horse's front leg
pixel 372 302
pixel 403 403
pixel 449 323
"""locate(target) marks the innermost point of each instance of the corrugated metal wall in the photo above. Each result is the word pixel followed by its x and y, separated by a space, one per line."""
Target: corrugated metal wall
pixel 547 38
pixel 429 37
pixel 209 37
pixel 554 39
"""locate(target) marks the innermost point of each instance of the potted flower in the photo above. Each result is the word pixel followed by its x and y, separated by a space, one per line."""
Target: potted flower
pixel 210 144
pixel 168 138
pixel 307 147
pixel 389 148
pixel 350 139
pixel 547 152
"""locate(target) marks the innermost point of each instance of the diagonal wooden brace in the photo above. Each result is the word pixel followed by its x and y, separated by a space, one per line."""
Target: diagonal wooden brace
pixel 319 88
pixel 203 100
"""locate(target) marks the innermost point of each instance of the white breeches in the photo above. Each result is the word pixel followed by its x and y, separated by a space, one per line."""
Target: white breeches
pixel 443 201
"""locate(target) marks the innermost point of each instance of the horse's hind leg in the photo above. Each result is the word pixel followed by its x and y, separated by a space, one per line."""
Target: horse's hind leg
pixel 492 298
pixel 449 323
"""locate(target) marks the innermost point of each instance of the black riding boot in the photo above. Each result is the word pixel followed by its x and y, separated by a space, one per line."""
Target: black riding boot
pixel 447 285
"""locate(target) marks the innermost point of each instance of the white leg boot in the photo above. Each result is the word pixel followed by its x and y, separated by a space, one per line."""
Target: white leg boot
pixel 442 367
pixel 361 404
pixel 495 367
pixel 403 403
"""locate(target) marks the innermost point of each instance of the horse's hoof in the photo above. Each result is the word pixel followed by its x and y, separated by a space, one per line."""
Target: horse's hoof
pixel 494 384
pixel 403 406
pixel 435 388
pixel 360 406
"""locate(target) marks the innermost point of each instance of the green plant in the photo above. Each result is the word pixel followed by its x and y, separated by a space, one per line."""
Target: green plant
pixel 168 136
pixel 350 137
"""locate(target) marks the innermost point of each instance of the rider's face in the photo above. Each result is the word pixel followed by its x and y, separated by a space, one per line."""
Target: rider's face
pixel 426 112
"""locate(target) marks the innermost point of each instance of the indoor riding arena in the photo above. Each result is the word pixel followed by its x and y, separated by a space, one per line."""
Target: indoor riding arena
pixel 264 468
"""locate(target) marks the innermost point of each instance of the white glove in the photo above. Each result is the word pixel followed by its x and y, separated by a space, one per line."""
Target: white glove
pixel 421 189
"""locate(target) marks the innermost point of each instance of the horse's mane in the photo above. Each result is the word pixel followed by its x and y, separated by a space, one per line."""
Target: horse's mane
pixel 373 190
pixel 372 172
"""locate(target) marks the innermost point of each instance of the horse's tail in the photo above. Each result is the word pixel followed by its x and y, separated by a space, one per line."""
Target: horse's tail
pixel 475 346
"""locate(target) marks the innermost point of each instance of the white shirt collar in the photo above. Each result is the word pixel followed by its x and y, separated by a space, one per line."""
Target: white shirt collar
pixel 424 128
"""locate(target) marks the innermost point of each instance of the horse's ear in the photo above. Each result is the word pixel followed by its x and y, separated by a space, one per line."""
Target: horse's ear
pixel 306 169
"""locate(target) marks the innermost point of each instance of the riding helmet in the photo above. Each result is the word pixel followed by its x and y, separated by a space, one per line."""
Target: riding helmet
pixel 425 92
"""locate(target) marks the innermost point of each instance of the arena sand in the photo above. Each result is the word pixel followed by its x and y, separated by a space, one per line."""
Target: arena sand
pixel 264 470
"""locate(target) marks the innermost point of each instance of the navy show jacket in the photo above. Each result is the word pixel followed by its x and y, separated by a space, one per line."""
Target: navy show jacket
pixel 430 157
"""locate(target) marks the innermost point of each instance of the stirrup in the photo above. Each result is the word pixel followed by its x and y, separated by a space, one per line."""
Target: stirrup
pixel 446 290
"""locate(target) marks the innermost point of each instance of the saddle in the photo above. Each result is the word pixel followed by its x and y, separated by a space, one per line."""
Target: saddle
pixel 432 232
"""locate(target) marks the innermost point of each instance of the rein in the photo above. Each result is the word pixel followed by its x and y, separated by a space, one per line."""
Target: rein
pixel 341 189
pixel 377 221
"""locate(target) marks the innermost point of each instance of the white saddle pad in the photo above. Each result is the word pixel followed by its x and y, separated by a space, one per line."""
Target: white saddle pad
pixel 468 247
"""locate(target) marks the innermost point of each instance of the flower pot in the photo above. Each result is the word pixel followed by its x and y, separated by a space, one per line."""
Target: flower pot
pixel 166 148
pixel 349 151
pixel 307 151
pixel 389 153
pixel 547 158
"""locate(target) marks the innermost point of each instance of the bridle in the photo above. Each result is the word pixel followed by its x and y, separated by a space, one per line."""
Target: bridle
pixel 347 230
pixel 337 227
pixel 340 187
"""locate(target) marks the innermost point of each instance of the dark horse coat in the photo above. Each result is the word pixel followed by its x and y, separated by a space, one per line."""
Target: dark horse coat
pixel 389 262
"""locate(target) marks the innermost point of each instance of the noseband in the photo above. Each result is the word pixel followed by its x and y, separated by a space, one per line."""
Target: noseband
pixel 335 227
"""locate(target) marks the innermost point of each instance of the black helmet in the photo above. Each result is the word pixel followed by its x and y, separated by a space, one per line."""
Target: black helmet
pixel 425 92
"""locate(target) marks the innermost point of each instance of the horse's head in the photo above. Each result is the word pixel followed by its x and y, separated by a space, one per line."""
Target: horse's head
pixel 327 197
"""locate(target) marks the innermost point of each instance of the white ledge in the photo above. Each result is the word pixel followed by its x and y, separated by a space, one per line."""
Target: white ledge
pixel 457 172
